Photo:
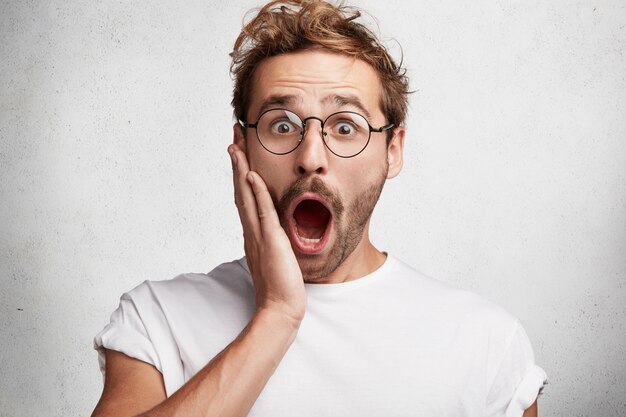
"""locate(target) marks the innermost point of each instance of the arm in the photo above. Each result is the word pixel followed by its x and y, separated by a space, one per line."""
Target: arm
pixel 123 376
pixel 531 411
pixel 232 381
pixel 227 386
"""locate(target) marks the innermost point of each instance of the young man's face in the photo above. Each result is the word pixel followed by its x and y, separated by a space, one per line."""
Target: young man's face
pixel 324 202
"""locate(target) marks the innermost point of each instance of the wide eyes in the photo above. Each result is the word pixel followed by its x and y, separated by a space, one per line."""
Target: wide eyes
pixel 337 127
pixel 345 133
pixel 284 127
pixel 344 128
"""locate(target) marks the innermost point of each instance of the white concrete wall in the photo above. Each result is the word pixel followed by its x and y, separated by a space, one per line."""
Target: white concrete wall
pixel 114 122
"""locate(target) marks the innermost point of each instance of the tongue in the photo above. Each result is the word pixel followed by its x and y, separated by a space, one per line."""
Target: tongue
pixel 311 218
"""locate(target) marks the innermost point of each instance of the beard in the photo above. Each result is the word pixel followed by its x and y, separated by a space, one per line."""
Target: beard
pixel 349 221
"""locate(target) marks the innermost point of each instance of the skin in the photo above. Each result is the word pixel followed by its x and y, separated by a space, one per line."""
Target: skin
pixel 232 381
pixel 311 76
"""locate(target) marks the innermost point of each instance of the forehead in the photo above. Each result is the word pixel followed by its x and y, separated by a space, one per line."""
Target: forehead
pixel 314 80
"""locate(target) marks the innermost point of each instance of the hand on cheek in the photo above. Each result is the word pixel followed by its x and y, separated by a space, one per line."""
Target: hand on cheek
pixel 275 271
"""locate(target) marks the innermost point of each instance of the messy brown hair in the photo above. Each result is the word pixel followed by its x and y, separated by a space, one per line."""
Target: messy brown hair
pixel 287 26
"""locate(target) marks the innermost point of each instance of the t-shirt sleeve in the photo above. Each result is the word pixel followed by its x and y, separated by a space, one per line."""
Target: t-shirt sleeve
pixel 126 333
pixel 518 380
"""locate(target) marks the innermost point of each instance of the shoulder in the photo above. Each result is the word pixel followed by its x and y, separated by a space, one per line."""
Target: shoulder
pixel 226 281
pixel 452 303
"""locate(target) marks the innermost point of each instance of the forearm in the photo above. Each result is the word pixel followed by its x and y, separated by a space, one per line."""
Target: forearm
pixel 232 381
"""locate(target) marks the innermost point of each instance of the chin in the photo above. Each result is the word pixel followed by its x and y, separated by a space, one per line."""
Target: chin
pixel 316 268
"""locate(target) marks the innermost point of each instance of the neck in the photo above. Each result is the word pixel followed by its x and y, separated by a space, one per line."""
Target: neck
pixel 363 260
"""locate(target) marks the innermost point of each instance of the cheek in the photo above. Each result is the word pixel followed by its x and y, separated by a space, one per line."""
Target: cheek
pixel 369 166
pixel 363 175
pixel 272 171
pixel 260 160
pixel 352 179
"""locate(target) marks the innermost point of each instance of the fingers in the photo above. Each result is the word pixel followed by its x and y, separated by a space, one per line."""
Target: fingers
pixel 252 198
pixel 244 196
pixel 265 206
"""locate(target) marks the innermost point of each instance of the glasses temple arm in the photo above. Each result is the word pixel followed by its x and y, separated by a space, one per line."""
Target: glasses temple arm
pixel 382 129
pixel 248 125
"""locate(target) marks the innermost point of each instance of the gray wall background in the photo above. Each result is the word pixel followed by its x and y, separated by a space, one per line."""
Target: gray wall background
pixel 114 122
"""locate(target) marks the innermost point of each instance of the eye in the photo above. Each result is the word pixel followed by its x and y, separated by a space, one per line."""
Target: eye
pixel 283 127
pixel 344 128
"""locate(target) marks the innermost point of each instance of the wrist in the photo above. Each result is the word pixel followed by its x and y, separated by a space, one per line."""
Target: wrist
pixel 280 315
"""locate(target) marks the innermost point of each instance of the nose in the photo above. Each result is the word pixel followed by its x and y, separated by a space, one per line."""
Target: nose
pixel 312 155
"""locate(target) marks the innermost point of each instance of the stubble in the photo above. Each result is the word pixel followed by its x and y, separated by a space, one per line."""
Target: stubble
pixel 349 221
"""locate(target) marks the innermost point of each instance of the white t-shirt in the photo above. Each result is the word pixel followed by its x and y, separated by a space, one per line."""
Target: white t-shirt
pixel 392 343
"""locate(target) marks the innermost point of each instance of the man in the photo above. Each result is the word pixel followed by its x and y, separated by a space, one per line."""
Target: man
pixel 315 321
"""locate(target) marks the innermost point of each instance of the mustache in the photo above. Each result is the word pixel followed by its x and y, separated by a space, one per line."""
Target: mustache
pixel 314 185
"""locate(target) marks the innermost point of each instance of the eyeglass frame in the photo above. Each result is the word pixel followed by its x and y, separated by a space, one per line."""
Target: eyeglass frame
pixel 322 122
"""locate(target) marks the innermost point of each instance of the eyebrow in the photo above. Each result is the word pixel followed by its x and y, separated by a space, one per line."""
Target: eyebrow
pixel 350 100
pixel 289 101
pixel 276 100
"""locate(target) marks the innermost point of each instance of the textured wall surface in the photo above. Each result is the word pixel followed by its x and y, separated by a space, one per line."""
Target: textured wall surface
pixel 114 122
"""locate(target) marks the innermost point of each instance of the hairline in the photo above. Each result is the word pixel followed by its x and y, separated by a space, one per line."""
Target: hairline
pixel 382 96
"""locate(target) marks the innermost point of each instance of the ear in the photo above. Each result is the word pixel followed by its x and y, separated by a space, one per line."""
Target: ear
pixel 239 138
pixel 395 151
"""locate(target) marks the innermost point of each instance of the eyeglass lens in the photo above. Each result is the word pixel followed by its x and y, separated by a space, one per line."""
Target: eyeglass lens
pixel 345 133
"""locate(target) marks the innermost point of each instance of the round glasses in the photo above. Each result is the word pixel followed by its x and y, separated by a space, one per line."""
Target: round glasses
pixel 346 134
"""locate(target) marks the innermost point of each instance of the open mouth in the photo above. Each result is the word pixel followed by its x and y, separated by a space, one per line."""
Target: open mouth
pixel 311 223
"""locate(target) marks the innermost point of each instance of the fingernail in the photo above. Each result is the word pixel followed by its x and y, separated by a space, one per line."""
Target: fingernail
pixel 233 157
pixel 250 178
